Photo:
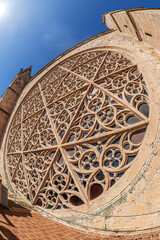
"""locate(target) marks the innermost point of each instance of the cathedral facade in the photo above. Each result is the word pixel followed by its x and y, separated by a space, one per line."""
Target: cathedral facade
pixel 80 140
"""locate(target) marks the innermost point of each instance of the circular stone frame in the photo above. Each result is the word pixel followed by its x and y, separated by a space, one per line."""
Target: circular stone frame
pixel 126 181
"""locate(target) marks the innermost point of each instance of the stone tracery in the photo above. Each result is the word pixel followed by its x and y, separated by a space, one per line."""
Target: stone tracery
pixel 78 130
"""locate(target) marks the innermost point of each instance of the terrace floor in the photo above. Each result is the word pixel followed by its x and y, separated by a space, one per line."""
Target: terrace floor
pixel 21 223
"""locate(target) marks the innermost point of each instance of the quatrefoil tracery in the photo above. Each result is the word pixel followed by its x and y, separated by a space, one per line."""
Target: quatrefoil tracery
pixel 78 130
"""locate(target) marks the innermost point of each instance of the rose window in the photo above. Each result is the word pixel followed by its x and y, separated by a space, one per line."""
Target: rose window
pixel 78 130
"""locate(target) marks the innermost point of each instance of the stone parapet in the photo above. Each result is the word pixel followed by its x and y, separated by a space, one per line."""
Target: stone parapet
pixel 140 23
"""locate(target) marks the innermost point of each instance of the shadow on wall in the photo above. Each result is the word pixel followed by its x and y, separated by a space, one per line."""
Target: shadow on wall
pixel 7 233
pixel 6 226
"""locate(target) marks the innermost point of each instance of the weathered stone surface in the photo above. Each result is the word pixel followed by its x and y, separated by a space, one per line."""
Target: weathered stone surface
pixel 140 23
pixel 21 80
pixel 133 202
pixel 3 120
pixel 8 100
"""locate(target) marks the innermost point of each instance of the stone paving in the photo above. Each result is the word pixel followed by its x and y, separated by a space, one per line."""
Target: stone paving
pixel 20 223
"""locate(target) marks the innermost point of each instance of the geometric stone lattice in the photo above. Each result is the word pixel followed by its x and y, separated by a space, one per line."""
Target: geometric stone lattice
pixel 78 130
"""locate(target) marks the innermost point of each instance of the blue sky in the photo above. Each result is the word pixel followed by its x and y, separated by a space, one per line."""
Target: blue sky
pixel 34 32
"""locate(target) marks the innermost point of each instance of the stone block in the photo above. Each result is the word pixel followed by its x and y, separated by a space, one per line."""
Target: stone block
pixel 8 100
pixel 152 193
pixel 94 222
pixel 149 174
pixel 118 224
pixel 145 222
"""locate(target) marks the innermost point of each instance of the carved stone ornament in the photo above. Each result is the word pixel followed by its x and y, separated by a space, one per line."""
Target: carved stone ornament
pixel 78 130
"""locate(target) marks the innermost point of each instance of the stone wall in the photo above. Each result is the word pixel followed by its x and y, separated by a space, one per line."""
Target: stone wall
pixel 7 104
pixel 9 98
pixel 140 23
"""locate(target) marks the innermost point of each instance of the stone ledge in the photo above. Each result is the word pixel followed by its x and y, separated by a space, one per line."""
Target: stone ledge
pixel 135 22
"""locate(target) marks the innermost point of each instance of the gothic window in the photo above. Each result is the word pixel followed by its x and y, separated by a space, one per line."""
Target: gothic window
pixel 78 130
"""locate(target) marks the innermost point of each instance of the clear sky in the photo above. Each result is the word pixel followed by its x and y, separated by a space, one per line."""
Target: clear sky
pixel 34 32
